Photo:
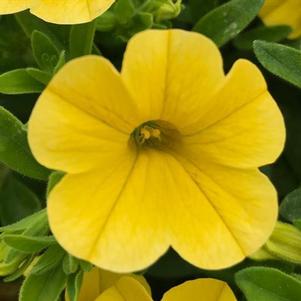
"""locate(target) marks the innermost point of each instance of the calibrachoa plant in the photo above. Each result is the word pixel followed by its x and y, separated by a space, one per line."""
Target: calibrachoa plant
pixel 150 150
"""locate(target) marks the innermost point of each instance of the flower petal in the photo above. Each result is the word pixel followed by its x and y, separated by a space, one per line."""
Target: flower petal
pixel 70 11
pixel 125 289
pixel 112 216
pixel 172 74
pixel 283 12
pixel 244 212
pixel 144 205
pixel 244 127
pixel 79 120
pixel 89 290
pixel 107 279
pixel 200 289
pixel 97 281
pixel 13 6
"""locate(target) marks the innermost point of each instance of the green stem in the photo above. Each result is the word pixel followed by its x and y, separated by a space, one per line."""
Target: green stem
pixel 81 39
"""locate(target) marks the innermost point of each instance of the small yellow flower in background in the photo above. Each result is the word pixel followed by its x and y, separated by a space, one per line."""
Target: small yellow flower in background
pixel 97 281
pixel 129 288
pixel 283 12
pixel 165 153
pixel 58 11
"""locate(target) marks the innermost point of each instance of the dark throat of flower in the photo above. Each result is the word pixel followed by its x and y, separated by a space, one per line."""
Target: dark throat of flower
pixel 157 134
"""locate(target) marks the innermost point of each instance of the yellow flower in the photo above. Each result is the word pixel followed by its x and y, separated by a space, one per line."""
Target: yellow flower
pixel 163 154
pixel 58 11
pixel 98 281
pixel 128 288
pixel 283 12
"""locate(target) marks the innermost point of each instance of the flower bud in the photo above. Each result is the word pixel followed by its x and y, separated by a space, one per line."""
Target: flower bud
pixel 165 9
pixel 284 244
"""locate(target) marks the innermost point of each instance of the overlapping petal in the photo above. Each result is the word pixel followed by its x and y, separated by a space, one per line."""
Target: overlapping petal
pixel 115 216
pixel 172 74
pixel 129 288
pixel 200 289
pixel 283 12
pixel 97 281
pixel 242 127
pixel 88 118
pixel 241 212
pixel 125 289
pixel 59 11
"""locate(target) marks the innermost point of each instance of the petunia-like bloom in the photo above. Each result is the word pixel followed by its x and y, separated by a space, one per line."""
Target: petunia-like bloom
pixel 58 11
pixel 283 12
pixel 97 281
pixel 163 154
pixel 129 288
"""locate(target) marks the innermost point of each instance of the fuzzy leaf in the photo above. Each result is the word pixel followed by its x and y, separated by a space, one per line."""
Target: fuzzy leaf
pixel 267 284
pixel 14 148
pixel 45 287
pixel 81 39
pixel 270 34
pixel 228 20
pixel 44 51
pixel 19 81
pixel 290 208
pixel 16 201
pixel 41 76
pixel 28 244
pixel 50 259
pixel 280 60
pixel 74 283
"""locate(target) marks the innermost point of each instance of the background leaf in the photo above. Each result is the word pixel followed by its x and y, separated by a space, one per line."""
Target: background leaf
pixel 45 287
pixel 271 34
pixel 14 149
pixel 227 21
pixel 16 200
pixel 267 284
pixel 19 81
pixel 281 60
pixel 290 208
pixel 44 51
pixel 81 39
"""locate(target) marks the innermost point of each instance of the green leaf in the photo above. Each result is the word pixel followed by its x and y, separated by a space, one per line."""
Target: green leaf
pixel 44 51
pixel 70 264
pixel 16 201
pixel 45 287
pixel 52 257
pixel 20 271
pixel 199 8
pixel 124 10
pixel 74 283
pixel 19 81
pixel 270 34
pixel 227 21
pixel 41 76
pixel 30 23
pixel 14 148
pixel 297 223
pixel 26 222
pixel 267 284
pixel 28 244
pixel 280 60
pixel 85 265
pixel 54 179
pixel 61 61
pixel 290 208
pixel 81 39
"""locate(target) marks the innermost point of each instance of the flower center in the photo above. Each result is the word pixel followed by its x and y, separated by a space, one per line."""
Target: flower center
pixel 155 134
